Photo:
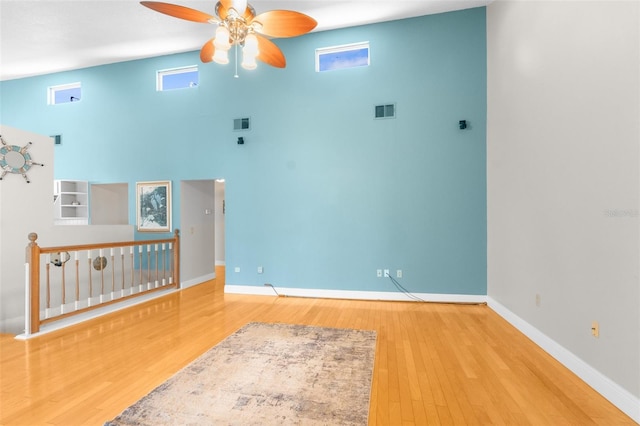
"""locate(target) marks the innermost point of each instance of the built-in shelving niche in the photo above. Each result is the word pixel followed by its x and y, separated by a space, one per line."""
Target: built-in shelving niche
pixel 70 202
pixel 109 204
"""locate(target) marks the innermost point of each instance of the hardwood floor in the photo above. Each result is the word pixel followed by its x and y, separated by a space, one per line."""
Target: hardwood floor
pixel 435 363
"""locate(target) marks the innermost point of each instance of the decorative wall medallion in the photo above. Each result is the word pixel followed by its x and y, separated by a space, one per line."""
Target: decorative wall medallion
pixel 14 159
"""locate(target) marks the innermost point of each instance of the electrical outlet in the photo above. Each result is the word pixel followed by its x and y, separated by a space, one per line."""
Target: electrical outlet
pixel 260 269
pixel 237 269
pixel 386 273
pixel 399 273
pixel 595 329
pixel 379 273
pixel 537 300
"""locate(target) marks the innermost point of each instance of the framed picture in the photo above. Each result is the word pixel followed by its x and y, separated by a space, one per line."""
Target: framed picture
pixel 153 206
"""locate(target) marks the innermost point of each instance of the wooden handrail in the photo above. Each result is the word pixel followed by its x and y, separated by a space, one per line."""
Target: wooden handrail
pixel 33 285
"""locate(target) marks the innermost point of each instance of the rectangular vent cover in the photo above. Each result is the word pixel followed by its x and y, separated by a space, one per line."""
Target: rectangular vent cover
pixel 385 111
pixel 241 124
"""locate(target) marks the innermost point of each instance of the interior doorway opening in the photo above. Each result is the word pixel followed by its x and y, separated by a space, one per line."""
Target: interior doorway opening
pixel 202 212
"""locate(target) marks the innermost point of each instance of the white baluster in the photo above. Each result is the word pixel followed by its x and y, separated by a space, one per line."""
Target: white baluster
pixel 101 278
pixel 122 260
pixel 164 265
pixel 76 303
pixel 113 271
pixel 27 299
pixel 140 266
pixel 90 280
pixel 156 280
pixel 148 266
pixel 46 308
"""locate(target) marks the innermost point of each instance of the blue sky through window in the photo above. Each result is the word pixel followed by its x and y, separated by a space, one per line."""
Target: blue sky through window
pixel 179 80
pixel 71 94
pixel 334 59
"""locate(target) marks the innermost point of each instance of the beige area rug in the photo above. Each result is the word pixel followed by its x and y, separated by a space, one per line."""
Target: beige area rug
pixel 268 374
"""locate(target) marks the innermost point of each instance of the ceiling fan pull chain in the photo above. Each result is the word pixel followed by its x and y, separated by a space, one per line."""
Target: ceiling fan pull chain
pixel 236 76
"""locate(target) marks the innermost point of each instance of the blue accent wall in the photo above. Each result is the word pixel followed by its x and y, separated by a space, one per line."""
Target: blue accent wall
pixel 321 194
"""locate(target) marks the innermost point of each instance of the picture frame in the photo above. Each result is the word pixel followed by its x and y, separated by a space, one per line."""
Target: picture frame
pixel 153 206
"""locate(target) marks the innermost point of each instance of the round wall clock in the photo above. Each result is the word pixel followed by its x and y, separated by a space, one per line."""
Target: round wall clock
pixel 15 159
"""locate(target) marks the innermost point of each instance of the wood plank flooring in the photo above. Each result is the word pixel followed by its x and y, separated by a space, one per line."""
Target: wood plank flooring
pixel 435 363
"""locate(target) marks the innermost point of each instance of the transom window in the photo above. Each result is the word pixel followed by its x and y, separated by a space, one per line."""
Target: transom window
pixel 341 57
pixel 64 93
pixel 177 78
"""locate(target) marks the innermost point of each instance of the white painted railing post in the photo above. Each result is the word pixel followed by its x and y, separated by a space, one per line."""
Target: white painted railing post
pixel 27 300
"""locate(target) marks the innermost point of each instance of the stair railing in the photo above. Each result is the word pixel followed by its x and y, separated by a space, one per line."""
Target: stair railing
pixel 68 280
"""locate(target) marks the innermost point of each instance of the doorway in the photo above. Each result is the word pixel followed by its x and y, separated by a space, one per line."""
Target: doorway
pixel 202 230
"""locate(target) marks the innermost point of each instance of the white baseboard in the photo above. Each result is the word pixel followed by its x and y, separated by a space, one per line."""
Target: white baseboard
pixel 355 295
pixel 196 281
pixel 618 396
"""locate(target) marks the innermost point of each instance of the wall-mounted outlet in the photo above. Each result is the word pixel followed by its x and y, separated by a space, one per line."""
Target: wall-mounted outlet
pixel 386 273
pixel 595 329
pixel 398 273
pixel 237 269
pixel 379 273
pixel 537 299
pixel 260 269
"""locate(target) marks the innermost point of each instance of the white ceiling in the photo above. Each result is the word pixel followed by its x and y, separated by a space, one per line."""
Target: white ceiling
pixel 44 36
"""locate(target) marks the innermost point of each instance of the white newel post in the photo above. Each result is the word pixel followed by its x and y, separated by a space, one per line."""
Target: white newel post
pixel 27 300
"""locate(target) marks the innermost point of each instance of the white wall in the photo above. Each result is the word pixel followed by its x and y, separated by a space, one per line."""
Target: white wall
pixel 25 208
pixel 563 181
pixel 109 204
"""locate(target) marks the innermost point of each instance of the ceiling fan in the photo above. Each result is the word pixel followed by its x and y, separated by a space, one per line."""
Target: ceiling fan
pixel 239 25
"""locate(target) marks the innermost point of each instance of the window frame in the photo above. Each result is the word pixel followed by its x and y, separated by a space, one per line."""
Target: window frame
pixel 160 74
pixel 351 47
pixel 52 91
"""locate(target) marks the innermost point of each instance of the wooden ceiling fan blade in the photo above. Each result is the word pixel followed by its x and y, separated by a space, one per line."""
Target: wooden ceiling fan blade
pixel 284 23
pixel 227 4
pixel 207 51
pixel 269 53
pixel 222 10
pixel 181 12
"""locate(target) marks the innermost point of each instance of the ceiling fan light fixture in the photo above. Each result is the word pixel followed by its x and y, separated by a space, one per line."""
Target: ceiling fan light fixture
pixel 250 52
pixel 221 41
pixel 240 6
pixel 249 62
pixel 250 45
pixel 221 57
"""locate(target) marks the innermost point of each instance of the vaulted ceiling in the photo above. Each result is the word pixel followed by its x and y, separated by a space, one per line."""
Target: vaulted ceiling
pixel 40 37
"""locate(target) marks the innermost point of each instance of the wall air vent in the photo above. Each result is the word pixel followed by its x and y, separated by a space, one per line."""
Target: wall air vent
pixel 241 124
pixel 385 111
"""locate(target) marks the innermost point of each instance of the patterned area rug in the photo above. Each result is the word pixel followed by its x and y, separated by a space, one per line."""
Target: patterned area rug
pixel 268 374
